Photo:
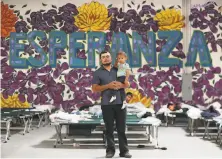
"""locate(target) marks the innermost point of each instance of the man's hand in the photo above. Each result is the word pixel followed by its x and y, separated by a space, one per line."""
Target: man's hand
pixel 112 85
pixel 120 85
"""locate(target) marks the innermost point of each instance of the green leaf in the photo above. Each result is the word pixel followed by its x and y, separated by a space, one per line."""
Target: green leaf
pixel 53 6
pixel 68 91
pixel 171 7
pixel 129 5
pixel 59 62
pixel 218 35
pixel 213 81
pixel 221 58
pixel 159 67
pixel 24 6
pixel 84 42
pixel 23 41
pixel 159 10
pixel 11 6
pixel 63 94
pixel 42 10
pixel 27 12
pixel 109 6
pixel 44 4
pixel 220 27
pixel 21 17
pixel 163 7
pixel 132 2
pixel 143 2
pixel 70 96
pixel 220 76
pixel 16 11
pixel 58 40
pixel 130 36
pixel 152 4
pixel 64 57
pixel 67 47
pixel 179 6
pixel 38 38
pixel 18 14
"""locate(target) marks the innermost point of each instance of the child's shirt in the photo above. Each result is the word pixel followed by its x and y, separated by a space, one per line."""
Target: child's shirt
pixel 122 69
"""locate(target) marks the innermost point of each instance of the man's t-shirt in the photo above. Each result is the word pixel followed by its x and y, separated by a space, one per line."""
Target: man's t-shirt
pixel 102 77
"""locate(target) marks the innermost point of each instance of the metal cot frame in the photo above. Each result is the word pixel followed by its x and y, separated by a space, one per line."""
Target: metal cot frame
pixel 26 115
pixel 151 130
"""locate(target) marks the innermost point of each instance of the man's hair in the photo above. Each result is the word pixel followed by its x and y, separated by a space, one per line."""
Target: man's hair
pixel 129 94
pixel 103 52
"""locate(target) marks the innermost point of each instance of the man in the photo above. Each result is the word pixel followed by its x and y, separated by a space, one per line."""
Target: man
pixel 104 81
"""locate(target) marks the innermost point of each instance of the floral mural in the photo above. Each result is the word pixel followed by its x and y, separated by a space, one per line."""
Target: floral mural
pixel 68 88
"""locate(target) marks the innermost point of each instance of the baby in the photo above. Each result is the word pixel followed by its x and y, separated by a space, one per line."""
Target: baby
pixel 122 73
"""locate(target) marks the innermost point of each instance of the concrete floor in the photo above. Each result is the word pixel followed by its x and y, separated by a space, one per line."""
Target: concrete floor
pixel 39 144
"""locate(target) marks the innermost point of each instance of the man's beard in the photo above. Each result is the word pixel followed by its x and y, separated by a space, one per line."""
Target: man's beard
pixel 107 64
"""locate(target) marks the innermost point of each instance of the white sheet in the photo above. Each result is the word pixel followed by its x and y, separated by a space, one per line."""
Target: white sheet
pixel 64 117
pixel 150 120
pixel 44 107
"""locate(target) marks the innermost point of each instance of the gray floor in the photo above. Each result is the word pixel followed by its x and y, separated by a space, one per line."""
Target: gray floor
pixel 39 144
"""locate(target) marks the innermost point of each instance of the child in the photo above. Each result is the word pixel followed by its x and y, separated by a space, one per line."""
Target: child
pixel 129 96
pixel 123 71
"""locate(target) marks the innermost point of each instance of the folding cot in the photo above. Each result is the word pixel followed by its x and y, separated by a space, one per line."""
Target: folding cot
pixel 132 120
pixel 20 114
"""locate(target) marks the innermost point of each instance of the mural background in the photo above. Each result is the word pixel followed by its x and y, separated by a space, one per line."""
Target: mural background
pixel 67 88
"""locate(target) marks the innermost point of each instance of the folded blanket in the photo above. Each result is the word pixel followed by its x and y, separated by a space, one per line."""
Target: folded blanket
pixel 138 108
pixel 150 120
pixel 44 107
pixel 194 113
pixel 64 117
pixel 96 110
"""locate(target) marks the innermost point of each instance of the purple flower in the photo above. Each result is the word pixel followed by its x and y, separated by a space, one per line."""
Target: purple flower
pixel 81 54
pixel 163 96
pixel 160 44
pixel 59 69
pixel 145 69
pixel 179 53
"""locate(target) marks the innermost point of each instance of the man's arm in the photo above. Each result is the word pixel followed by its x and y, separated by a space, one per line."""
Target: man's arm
pixel 121 85
pixel 99 88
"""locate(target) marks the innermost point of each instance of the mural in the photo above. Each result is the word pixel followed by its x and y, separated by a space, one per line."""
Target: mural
pixel 68 87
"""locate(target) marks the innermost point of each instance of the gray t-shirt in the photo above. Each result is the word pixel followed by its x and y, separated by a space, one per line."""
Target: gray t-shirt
pixel 102 77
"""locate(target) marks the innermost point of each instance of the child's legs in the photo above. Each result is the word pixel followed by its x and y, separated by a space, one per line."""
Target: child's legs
pixel 122 91
pixel 121 79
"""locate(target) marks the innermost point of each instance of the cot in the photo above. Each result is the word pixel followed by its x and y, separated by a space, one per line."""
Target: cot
pixel 20 115
pixel 150 123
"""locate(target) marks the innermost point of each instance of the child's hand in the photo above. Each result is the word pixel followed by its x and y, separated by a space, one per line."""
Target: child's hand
pixel 126 81
pixel 124 105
